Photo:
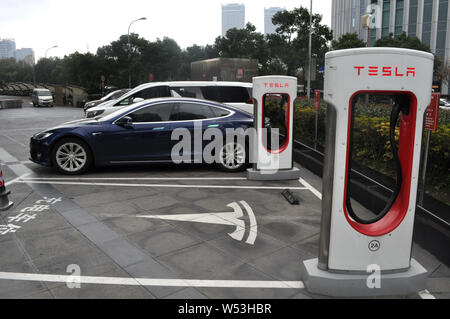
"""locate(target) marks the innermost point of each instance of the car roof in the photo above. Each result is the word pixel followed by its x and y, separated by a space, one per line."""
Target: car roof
pixel 174 99
pixel 194 83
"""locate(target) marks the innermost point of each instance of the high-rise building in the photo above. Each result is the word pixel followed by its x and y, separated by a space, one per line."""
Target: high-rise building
pixel 233 16
pixel 269 27
pixel 428 20
pixel 26 55
pixel 7 48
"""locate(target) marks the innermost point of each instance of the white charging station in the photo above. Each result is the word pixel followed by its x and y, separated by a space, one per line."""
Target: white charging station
pixel 273 156
pixel 353 248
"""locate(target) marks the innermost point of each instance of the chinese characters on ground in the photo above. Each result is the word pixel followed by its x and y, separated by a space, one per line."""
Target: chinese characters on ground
pixel 14 223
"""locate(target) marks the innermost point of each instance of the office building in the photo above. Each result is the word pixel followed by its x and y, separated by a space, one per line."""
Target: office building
pixel 7 48
pixel 233 16
pixel 269 27
pixel 26 55
pixel 428 20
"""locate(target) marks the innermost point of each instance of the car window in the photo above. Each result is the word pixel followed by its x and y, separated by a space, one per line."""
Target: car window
pixel 148 93
pixel 233 94
pixel 191 111
pixel 226 94
pixel 115 95
pixel 219 112
pixel 153 113
pixel 189 91
pixel 211 93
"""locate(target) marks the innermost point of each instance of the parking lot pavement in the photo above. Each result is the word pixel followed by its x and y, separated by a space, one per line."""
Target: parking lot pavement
pixel 160 231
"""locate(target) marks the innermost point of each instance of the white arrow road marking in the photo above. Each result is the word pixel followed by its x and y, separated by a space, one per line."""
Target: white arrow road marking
pixel 154 281
pixel 220 218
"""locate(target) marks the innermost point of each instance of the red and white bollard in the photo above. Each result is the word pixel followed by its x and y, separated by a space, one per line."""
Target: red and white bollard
pixel 5 203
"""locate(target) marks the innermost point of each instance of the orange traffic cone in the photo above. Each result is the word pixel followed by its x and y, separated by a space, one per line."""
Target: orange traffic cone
pixel 4 201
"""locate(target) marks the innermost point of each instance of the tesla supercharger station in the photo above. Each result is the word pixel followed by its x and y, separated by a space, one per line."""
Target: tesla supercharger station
pixel 272 145
pixel 370 256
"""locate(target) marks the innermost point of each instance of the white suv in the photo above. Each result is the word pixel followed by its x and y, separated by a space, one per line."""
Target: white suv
pixel 237 94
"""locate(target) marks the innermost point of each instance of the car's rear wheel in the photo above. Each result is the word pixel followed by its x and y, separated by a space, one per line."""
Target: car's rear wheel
pixel 232 157
pixel 71 156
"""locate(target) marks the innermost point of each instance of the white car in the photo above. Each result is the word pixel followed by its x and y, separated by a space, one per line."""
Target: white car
pixel 236 94
pixel 444 104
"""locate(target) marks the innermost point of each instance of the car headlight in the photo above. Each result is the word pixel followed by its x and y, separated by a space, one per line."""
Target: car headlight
pixel 94 113
pixel 41 136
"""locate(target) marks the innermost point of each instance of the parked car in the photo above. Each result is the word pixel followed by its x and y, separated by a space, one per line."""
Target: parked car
pixel 42 97
pixel 444 104
pixel 236 94
pixel 111 96
pixel 136 134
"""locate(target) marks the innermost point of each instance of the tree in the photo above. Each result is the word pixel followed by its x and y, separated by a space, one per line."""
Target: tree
pixel 195 53
pixel 243 43
pixel 12 71
pixel 402 41
pixel 348 41
pixel 291 41
pixel 44 68
pixel 407 42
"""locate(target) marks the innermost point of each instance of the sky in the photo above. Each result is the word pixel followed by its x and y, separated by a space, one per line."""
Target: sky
pixel 85 25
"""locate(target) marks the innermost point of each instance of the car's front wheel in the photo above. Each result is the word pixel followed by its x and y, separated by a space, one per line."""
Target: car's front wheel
pixel 71 156
pixel 232 157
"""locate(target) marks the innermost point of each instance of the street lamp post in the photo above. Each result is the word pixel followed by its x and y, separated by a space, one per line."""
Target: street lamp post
pixel 55 46
pixel 309 52
pixel 129 50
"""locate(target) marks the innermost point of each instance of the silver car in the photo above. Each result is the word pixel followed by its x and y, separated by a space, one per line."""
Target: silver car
pixel 42 97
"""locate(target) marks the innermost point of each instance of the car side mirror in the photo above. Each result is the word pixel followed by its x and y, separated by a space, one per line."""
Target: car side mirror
pixel 125 122
pixel 137 99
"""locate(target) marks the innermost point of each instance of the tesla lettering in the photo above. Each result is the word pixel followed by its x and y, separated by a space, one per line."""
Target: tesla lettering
pixel 387 71
pixel 276 85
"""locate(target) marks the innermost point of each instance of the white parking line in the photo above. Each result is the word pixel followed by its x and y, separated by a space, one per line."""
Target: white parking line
pixel 16 179
pixel 153 282
pixel 134 178
pixel 160 185
pixel 311 188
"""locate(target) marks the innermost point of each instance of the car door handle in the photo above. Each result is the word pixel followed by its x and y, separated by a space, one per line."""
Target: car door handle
pixel 213 125
pixel 97 133
pixel 158 128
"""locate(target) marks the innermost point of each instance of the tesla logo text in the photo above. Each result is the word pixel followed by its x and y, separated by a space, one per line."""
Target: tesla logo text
pixel 276 85
pixel 386 71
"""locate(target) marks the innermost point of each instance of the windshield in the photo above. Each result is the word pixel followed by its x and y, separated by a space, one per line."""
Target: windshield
pixel 112 115
pixel 113 95
pixel 44 93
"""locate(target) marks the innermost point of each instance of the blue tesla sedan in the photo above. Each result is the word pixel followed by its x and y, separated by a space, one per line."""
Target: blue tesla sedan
pixel 140 133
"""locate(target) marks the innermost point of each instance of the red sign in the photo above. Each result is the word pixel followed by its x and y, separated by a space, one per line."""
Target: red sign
pixel 102 78
pixel 432 113
pixel 317 100
pixel 151 77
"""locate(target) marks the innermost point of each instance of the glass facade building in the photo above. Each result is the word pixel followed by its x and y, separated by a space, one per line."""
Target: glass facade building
pixel 233 16
pixel 427 20
pixel 7 48
pixel 269 27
